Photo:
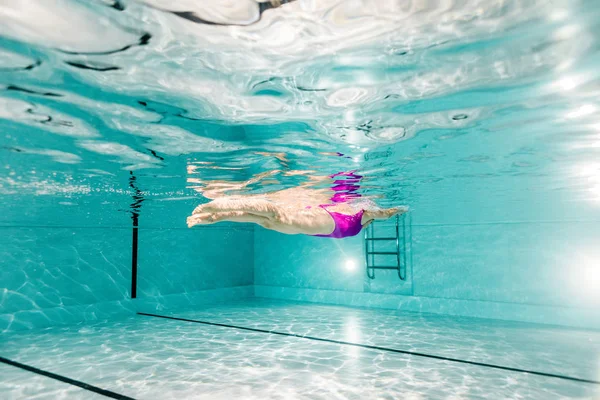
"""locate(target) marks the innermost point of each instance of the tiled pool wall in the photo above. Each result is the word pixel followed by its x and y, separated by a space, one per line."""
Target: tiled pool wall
pixel 506 279
pixel 66 272
pixel 488 259
pixel 522 255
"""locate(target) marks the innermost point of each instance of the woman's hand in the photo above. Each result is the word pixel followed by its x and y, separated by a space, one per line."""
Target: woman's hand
pixel 399 210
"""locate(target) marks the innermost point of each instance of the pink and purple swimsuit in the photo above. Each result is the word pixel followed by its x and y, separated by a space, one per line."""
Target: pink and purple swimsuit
pixel 345 190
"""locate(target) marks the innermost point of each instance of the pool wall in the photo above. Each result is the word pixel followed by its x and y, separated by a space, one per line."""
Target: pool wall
pixel 526 254
pixel 444 279
pixel 79 266
pixel 521 259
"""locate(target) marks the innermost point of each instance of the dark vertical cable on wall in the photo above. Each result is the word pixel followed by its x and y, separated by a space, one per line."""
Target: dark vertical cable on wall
pixel 138 199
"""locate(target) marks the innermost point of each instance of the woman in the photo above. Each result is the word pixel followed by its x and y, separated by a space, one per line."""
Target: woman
pixel 297 210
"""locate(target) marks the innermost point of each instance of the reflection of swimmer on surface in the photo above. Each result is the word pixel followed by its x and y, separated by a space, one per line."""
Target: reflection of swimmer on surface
pixel 298 210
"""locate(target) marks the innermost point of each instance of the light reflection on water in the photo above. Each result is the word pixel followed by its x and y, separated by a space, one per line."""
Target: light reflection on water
pixel 414 93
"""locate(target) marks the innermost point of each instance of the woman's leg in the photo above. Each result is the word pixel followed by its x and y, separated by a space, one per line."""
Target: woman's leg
pixel 232 216
pixel 250 205
pixel 307 221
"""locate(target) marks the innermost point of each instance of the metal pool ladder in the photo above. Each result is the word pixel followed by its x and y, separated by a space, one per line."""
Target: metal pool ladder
pixel 371 251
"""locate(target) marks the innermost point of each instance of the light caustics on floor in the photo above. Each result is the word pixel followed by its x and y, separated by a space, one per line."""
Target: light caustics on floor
pixel 259 349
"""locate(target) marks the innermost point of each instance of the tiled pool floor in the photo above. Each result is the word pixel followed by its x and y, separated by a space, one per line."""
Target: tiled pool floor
pixel 18 384
pixel 520 345
pixel 146 357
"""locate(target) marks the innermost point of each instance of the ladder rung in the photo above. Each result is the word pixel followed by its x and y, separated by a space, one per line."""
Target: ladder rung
pixel 386 238
pixel 382 267
pixel 382 252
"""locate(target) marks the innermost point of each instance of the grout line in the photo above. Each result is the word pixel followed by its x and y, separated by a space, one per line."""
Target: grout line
pixel 379 348
pixel 555 222
pixel 410 283
pixel 64 379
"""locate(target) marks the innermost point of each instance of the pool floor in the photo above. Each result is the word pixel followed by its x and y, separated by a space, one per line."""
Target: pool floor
pixel 271 349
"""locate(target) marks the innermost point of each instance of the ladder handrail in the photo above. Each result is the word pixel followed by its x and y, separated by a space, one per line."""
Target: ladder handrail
pixel 398 249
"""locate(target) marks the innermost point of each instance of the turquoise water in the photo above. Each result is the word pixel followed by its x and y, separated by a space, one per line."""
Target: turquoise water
pixel 482 116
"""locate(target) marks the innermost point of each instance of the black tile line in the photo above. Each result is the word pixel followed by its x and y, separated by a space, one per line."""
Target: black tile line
pixel 379 348
pixel 134 260
pixel 138 199
pixel 64 379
